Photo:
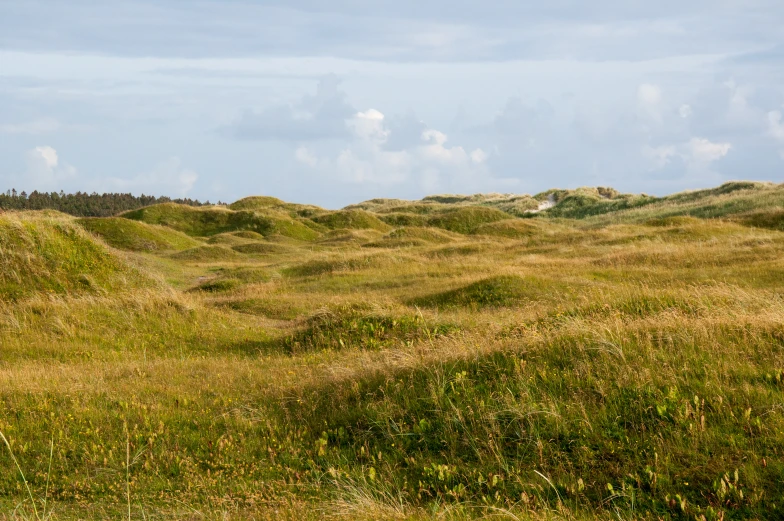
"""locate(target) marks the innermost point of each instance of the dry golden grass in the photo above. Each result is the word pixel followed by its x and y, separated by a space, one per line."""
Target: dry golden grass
pixel 632 371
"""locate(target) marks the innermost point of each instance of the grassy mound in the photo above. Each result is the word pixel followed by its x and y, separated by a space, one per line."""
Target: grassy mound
pixel 227 279
pixel 249 235
pixel 396 243
pixel 228 239
pixel 426 234
pixel 440 424
pixel 50 254
pixel 500 291
pixel 377 205
pixel 407 237
pixel 213 220
pixel 348 237
pixel 772 219
pixel 404 219
pixel 349 327
pixel 514 228
pixel 724 202
pixel 465 220
pixel 416 208
pixel 327 266
pixel 261 248
pixel 209 253
pixel 518 206
pixel 130 235
pixel 352 220
pixel 265 203
pixel 587 202
pixel 732 187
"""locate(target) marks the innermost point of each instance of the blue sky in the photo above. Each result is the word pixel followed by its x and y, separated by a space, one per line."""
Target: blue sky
pixel 335 102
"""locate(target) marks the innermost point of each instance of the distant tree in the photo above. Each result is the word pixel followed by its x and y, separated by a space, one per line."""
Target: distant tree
pixel 82 204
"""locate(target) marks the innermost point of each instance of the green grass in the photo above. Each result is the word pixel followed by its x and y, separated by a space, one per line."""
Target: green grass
pixel 51 255
pixel 504 290
pixel 207 254
pixel 624 362
pixel 351 219
pixel 466 220
pixel 129 235
pixel 208 221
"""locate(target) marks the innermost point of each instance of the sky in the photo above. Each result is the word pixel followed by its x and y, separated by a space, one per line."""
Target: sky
pixel 332 103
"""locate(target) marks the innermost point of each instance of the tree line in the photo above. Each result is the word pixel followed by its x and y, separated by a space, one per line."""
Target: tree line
pixel 82 204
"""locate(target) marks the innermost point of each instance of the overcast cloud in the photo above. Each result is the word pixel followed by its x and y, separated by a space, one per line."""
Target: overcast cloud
pixel 331 103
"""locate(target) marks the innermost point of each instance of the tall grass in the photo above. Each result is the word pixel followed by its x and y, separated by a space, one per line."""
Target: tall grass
pixel 626 365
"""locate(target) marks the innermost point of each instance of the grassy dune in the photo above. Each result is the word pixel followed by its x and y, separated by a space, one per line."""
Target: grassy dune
pixel 577 363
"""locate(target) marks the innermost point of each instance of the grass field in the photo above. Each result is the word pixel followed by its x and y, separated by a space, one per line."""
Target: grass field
pixel 611 357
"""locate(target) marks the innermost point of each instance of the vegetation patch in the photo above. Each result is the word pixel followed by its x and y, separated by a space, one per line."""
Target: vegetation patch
pixel 218 285
pixel 276 307
pixel 426 234
pixel 465 220
pixel 404 219
pixel 129 235
pixel 516 228
pixel 349 327
pixel 212 220
pixel 325 267
pixel 261 248
pixel 351 219
pixel 248 235
pixel 42 254
pixel 207 254
pixel 499 291
pixel 396 243
pixel 348 237
pixel 772 219
pixel 265 203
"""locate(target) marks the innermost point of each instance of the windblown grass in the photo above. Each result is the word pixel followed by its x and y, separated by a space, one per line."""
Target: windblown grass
pixel 626 363
pixel 125 234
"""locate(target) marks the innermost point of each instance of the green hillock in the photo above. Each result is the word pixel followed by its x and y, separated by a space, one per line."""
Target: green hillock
pixel 125 234
pixel 515 228
pixel 426 234
pixel 351 219
pixel 345 237
pixel 772 219
pixel 213 220
pixel 49 254
pixel 265 203
pixel 404 219
pixel 498 291
pixel 210 253
pixel 465 220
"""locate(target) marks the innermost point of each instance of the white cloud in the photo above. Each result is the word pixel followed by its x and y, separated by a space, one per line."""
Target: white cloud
pixel 659 157
pixel 306 157
pixel 701 150
pixel 428 161
pixel 649 101
pixel 45 170
pixel 36 127
pixel 369 126
pixel 685 111
pixel 697 153
pixel 648 94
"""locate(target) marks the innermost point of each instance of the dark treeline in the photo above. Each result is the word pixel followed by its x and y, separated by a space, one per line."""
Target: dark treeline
pixel 82 204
